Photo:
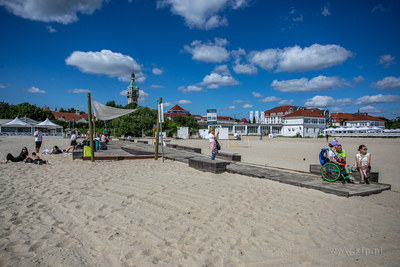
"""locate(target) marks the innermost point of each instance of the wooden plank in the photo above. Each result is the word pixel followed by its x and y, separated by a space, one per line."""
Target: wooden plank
pixel 120 157
pixel 232 157
pixel 207 165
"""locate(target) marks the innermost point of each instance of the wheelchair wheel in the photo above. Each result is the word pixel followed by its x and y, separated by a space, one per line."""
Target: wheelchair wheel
pixel 330 172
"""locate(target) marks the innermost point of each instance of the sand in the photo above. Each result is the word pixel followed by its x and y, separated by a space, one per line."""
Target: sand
pixel 145 213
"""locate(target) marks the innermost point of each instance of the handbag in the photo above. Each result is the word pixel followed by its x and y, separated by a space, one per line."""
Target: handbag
pixel 218 145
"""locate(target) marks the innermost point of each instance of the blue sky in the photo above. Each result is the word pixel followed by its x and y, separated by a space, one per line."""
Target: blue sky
pixel 232 55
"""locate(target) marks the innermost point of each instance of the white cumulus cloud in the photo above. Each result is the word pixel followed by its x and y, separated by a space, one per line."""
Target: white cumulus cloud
pixel 35 90
pixel 247 106
pixel 245 69
pixel 61 11
pixel 286 102
pixel 214 81
pixel 325 10
pixel 386 60
pixel 107 63
pixel 209 52
pixel 78 91
pixel 168 104
pixel 295 58
pixel 190 88
pixel 387 83
pixel 377 99
pixel 373 110
pixel 157 71
pixel 257 95
pixel 156 86
pixel 183 102
pixel 221 69
pixel 202 14
pixel 270 99
pixel 319 101
pixel 358 79
pixel 51 29
pixel 303 85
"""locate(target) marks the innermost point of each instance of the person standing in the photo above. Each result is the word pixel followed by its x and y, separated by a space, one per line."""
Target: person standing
pixel 38 139
pixel 213 142
pixel 73 142
pixel 327 137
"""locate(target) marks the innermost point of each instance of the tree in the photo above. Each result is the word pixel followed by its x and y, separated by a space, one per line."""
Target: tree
pixel 112 104
pixel 62 110
pixel 71 110
pixel 33 112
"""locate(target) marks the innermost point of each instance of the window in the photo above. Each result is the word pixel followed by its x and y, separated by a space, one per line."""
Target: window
pixel 321 121
pixel 306 120
pixel 314 121
pixel 252 129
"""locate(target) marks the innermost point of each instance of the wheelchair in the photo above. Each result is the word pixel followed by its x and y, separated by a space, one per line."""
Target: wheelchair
pixel 330 171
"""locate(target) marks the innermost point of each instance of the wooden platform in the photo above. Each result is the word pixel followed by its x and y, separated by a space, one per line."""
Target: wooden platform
pixel 120 150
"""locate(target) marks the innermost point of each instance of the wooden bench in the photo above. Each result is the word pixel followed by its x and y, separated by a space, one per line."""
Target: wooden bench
pixel 373 176
pixel 189 148
pixel 144 142
pixel 77 154
pixel 231 157
pixel 172 145
pixel 207 165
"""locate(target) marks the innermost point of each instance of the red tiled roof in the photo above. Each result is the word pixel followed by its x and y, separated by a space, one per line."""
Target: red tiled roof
pixel 196 116
pixel 225 118
pixel 244 120
pixel 304 113
pixel 176 107
pixel 339 116
pixel 173 115
pixel 69 116
pixel 278 109
pixel 365 118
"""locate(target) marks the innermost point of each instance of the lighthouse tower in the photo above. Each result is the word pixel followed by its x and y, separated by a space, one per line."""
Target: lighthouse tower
pixel 132 91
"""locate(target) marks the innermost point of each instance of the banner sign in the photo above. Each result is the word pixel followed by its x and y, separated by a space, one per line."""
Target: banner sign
pixel 161 112
pixel 262 117
pixel 211 116
pixel 256 116
pixel 251 117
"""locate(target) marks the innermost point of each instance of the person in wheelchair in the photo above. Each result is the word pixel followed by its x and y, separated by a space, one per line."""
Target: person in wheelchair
pixel 341 154
pixel 333 157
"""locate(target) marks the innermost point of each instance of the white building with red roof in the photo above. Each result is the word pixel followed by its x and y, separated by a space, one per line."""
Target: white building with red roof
pixel 307 123
pixel 176 111
pixel 365 120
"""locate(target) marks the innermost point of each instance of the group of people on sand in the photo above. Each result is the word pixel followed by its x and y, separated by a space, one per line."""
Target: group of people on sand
pixel 338 155
pixel 24 157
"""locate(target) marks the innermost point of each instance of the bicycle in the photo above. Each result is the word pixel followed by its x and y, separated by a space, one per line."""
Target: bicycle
pixel 330 171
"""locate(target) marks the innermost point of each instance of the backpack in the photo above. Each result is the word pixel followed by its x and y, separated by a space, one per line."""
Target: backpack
pixel 322 156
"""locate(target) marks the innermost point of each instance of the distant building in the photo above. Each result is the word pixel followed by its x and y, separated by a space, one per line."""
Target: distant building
pixel 365 120
pixel 244 121
pixel 67 116
pixel 132 91
pixel 176 111
pixel 307 123
pixel 338 117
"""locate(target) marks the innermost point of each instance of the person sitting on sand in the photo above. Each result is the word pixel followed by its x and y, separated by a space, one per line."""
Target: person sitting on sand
pixel 37 160
pixel 334 158
pixel 22 156
pixel 55 150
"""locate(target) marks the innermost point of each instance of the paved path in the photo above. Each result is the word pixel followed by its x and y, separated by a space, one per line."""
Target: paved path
pixel 123 150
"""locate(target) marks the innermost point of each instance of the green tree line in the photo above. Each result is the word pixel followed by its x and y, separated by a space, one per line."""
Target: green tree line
pixel 130 124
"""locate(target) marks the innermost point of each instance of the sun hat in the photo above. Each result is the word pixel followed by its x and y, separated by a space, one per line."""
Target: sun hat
pixel 334 143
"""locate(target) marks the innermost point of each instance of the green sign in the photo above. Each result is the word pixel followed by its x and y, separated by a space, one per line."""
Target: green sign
pixel 211 116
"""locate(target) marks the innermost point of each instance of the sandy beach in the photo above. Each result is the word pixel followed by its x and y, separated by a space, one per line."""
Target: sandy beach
pixel 145 212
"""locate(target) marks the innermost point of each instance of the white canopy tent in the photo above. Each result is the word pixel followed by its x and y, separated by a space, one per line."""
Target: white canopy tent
pixel 16 127
pixel 48 124
pixel 16 123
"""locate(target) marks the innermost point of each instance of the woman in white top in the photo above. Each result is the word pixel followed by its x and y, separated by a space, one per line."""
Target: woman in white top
pixel 363 160
pixel 213 143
